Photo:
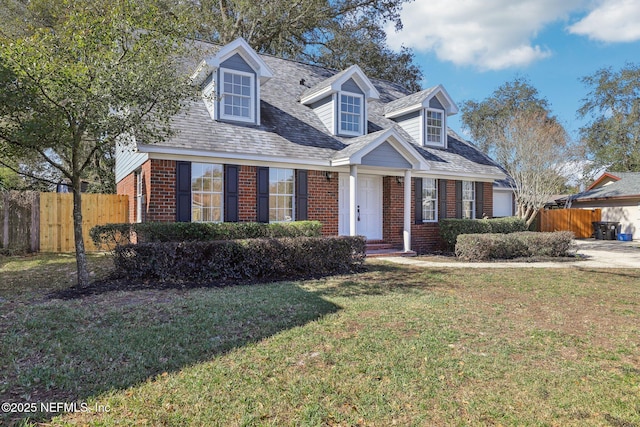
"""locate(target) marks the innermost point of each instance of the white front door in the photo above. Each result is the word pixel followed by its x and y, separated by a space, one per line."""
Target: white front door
pixel 368 206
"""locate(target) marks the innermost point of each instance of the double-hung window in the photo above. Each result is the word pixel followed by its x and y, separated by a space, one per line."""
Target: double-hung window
pixel 139 196
pixel 206 192
pixel 351 114
pixel 434 128
pixel 238 98
pixel 281 192
pixel 429 200
pixel 468 200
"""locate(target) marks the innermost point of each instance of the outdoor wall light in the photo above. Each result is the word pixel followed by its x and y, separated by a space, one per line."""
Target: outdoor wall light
pixel 328 175
pixel 399 180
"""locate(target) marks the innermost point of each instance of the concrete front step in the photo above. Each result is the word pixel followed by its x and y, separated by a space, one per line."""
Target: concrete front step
pixel 380 248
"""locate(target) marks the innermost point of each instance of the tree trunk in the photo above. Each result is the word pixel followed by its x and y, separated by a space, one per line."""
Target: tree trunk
pixel 81 255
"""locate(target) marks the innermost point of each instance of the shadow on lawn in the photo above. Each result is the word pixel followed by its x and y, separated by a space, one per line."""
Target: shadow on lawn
pixel 71 351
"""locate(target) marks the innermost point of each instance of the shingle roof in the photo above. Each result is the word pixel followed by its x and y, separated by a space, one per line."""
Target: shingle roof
pixel 292 130
pixel 627 186
pixel 409 100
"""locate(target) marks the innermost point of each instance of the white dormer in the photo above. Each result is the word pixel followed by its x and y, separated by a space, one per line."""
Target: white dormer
pixel 341 101
pixel 423 115
pixel 231 81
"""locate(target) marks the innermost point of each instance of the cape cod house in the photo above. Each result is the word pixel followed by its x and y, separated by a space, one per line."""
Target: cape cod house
pixel 278 140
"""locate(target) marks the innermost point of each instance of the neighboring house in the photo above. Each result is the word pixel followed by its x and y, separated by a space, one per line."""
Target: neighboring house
pixel 279 140
pixel 617 194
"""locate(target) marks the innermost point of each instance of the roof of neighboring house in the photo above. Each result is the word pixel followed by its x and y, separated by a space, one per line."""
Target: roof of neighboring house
pixel 288 129
pixel 612 185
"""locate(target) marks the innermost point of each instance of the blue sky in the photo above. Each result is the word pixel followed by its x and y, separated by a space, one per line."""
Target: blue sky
pixel 473 46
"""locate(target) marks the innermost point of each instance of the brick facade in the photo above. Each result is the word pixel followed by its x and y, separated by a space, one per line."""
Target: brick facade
pixel 247 194
pixel 323 201
pixel 159 182
pixel 127 187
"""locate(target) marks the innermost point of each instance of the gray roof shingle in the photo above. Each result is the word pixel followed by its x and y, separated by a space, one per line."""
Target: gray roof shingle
pixel 289 129
pixel 627 186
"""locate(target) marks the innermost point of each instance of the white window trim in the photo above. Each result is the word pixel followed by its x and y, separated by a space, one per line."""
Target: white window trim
pixel 473 201
pixel 425 128
pixel 139 195
pixel 252 94
pixel 293 197
pixel 362 114
pixel 435 211
pixel 208 192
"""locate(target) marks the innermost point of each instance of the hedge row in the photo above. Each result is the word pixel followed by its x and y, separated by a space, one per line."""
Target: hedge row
pixel 111 235
pixel 451 228
pixel 236 261
pixel 479 247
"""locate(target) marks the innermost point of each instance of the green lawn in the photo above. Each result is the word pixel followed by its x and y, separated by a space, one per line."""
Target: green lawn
pixel 395 345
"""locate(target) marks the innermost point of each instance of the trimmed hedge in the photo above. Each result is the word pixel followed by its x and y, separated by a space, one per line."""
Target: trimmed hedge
pixel 479 247
pixel 236 261
pixel 112 235
pixel 451 228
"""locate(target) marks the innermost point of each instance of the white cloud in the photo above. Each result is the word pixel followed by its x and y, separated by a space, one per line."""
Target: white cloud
pixel 611 21
pixel 488 34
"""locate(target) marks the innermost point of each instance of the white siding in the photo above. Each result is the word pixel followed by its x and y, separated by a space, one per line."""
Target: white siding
pixel 412 124
pixel 128 160
pixel 324 109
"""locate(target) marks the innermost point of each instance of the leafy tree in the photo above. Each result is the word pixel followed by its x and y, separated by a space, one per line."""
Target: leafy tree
pixel 330 33
pixel 612 137
pixel 515 127
pixel 83 75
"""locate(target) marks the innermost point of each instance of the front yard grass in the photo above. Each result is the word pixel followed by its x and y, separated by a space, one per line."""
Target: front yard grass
pixel 395 345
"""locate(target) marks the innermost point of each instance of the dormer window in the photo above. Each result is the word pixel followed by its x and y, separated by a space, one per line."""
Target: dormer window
pixel 341 101
pixel 230 81
pixel 351 114
pixel 237 96
pixel 423 115
pixel 434 127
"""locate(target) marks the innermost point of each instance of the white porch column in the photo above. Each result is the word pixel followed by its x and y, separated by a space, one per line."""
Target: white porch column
pixel 406 233
pixel 353 200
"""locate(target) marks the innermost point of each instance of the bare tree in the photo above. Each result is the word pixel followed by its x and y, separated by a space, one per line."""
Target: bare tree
pixel 533 149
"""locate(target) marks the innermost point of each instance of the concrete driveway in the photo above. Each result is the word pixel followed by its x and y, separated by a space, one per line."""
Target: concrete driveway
pixel 591 254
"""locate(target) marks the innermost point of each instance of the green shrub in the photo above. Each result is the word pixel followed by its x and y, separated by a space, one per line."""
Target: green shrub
pixel 111 235
pixel 451 228
pixel 230 261
pixel 506 225
pixel 479 247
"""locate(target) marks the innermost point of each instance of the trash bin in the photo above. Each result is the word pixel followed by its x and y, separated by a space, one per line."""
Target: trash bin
pixel 612 230
pixel 605 230
pixel 597 230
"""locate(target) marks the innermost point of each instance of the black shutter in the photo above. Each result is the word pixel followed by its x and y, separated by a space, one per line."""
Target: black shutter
pixel 183 191
pixel 302 195
pixel 458 199
pixel 418 197
pixel 231 193
pixel 263 194
pixel 442 198
pixel 479 200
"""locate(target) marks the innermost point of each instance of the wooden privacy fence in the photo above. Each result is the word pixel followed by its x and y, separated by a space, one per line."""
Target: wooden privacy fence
pixel 56 218
pixel 576 220
pixel 44 221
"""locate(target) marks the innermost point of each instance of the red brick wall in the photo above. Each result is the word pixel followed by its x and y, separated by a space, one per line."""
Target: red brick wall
pixel 392 211
pixel 451 198
pixel 127 187
pixel 487 199
pixel 425 237
pixel 323 201
pixel 247 194
pixel 161 196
